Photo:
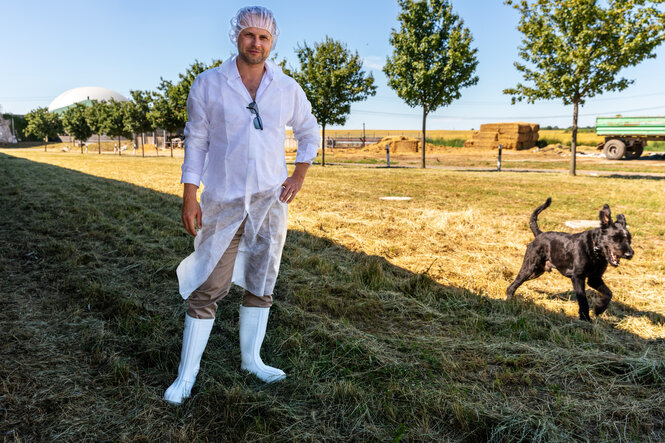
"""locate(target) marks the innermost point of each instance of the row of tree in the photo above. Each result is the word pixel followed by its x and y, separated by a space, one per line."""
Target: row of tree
pixel 571 50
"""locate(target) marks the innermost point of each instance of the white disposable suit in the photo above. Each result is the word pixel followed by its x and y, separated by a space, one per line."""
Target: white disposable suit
pixel 242 169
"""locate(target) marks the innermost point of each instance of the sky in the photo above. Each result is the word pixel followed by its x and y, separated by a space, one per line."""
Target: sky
pixel 50 47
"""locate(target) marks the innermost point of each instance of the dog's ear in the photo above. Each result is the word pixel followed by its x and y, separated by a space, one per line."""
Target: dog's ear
pixel 605 216
pixel 621 220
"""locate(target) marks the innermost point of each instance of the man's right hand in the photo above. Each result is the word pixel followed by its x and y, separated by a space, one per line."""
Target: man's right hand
pixel 191 210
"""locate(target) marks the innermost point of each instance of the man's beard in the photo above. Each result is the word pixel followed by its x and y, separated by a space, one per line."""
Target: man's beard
pixel 252 59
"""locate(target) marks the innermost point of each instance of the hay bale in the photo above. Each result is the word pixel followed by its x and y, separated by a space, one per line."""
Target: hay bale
pixel 404 146
pixel 398 145
pixel 512 135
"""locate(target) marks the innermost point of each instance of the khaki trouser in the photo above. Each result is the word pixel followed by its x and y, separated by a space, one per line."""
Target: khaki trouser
pixel 203 301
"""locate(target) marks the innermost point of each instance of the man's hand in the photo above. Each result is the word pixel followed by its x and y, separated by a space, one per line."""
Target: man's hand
pixel 191 210
pixel 293 184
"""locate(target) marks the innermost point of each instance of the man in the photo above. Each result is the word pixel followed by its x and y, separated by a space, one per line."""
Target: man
pixel 234 145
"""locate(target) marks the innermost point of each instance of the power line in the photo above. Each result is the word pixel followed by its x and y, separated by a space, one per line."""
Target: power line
pixel 445 117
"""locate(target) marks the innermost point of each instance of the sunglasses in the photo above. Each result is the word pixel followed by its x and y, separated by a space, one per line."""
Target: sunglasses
pixel 254 109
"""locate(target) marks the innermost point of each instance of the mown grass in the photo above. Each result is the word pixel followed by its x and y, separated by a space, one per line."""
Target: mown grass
pixel 389 317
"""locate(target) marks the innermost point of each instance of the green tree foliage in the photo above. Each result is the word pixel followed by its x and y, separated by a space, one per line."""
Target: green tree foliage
pixel 574 49
pixel 432 57
pixel 115 121
pixel 170 103
pixel 137 113
pixel 43 124
pixel 97 116
pixel 333 78
pixel 75 122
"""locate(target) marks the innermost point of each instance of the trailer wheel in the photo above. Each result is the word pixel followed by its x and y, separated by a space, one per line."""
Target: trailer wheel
pixel 637 151
pixel 614 149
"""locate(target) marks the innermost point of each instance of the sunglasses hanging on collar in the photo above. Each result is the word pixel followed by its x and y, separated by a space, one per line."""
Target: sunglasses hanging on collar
pixel 254 109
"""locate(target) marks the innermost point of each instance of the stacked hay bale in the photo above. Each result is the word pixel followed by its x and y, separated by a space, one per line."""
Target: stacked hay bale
pixel 517 135
pixel 399 144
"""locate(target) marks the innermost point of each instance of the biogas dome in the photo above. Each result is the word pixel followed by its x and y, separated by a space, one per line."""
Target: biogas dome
pixel 85 95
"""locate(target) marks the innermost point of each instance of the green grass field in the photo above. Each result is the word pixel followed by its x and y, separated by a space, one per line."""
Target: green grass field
pixel 390 318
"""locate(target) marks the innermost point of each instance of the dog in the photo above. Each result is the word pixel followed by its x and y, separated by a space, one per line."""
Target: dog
pixel 582 256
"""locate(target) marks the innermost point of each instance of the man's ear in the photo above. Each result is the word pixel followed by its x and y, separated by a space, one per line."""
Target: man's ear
pixel 621 220
pixel 605 216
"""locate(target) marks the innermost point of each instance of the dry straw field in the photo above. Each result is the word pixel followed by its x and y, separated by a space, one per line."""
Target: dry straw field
pixel 390 318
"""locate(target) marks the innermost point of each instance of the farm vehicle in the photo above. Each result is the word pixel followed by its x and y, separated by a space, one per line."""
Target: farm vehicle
pixel 627 136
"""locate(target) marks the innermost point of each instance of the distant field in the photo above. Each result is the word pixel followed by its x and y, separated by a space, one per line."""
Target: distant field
pixel 390 316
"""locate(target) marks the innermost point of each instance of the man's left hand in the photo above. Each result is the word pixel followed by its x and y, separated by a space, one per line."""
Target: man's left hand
pixel 293 184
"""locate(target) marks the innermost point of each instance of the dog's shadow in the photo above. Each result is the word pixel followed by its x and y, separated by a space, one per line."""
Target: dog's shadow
pixel 617 308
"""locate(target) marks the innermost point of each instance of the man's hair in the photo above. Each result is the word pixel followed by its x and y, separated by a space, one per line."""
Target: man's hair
pixel 254 17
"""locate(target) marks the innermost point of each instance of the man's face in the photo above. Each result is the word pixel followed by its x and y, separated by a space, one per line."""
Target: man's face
pixel 254 45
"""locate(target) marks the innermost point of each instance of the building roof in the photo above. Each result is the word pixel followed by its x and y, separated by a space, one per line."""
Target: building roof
pixel 84 95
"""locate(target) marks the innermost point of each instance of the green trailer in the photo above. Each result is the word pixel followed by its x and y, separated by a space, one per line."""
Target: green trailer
pixel 626 136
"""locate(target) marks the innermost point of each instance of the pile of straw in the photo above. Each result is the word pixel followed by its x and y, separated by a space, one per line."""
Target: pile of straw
pixel 398 144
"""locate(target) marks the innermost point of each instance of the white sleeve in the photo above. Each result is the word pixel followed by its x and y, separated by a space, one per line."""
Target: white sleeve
pixel 305 128
pixel 196 135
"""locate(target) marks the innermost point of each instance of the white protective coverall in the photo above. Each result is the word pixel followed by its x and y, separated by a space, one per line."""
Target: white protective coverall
pixel 242 170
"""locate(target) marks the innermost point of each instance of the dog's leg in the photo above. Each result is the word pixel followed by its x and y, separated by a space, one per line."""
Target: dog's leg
pixel 599 285
pixel 578 285
pixel 532 267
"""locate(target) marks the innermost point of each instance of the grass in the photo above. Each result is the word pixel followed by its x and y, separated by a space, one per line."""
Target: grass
pixel 655 146
pixel 390 318
pixel 452 142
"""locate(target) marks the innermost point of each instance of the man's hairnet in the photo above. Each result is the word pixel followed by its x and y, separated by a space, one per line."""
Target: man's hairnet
pixel 254 17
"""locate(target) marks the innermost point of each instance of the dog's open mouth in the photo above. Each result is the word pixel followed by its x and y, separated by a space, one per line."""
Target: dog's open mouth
pixel 614 259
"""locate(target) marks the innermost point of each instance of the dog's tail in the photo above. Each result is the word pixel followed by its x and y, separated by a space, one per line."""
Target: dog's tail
pixel 533 222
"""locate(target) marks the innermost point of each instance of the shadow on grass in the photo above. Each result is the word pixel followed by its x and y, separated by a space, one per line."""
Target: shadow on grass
pixel 635 176
pixel 92 323
pixel 615 307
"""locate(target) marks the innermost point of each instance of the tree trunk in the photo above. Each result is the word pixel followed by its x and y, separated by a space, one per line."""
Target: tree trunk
pixel 81 146
pixel 171 143
pixel 119 152
pixel 424 134
pixel 45 142
pixel 142 144
pixel 573 142
pixel 323 145
pixel 99 144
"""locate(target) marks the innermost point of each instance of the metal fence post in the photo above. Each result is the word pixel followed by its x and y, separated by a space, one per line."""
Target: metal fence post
pixel 498 162
pixel 388 155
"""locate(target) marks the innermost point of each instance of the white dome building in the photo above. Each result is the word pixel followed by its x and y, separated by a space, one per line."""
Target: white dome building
pixel 83 95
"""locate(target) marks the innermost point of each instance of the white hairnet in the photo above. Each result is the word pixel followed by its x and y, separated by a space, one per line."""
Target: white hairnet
pixel 254 17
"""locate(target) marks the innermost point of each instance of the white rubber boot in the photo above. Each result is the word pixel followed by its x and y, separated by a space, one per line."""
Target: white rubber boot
pixel 194 340
pixel 253 322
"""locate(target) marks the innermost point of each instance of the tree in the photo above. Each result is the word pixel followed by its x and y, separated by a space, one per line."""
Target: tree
pixel 43 124
pixel 332 78
pixel 115 121
pixel 137 115
pixel 75 122
pixel 574 49
pixel 169 110
pixel 432 57
pixel 98 114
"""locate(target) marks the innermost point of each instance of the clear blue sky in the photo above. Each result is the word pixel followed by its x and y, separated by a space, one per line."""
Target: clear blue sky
pixel 52 46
